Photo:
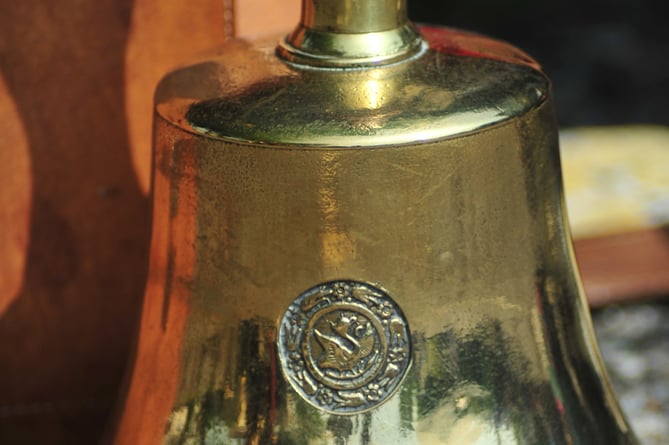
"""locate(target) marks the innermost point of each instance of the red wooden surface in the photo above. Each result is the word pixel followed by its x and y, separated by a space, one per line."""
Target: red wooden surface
pixel 626 267
pixel 76 83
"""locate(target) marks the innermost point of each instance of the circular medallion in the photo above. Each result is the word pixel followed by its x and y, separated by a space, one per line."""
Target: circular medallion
pixel 344 346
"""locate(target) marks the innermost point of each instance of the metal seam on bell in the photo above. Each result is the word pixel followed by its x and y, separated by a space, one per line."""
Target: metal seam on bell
pixel 332 50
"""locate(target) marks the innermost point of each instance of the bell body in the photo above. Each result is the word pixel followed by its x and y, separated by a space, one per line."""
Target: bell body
pixel 363 256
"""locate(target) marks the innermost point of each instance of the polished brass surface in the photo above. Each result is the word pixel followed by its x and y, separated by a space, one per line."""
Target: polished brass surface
pixel 353 17
pixel 363 256
pixel 345 33
pixel 431 97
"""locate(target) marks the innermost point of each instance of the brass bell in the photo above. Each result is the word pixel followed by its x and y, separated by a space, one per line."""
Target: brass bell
pixel 359 237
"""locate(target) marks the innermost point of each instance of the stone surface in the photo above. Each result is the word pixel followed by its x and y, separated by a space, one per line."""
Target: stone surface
pixel 634 341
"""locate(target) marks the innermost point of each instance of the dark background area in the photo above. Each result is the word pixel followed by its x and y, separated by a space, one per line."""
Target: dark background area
pixel 608 59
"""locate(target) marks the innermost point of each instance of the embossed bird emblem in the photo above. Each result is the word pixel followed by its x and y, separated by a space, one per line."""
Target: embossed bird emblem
pixel 349 342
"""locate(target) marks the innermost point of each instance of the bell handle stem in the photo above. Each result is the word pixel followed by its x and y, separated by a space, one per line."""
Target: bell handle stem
pixel 351 33
pixel 353 16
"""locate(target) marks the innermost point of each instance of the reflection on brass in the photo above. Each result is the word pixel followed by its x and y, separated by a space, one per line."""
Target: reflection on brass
pixel 363 249
pixel 348 33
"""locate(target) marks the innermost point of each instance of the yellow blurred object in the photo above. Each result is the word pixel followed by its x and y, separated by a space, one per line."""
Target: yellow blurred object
pixel 616 178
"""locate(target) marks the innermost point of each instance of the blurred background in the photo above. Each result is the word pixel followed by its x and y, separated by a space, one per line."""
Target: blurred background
pixel 609 60
pixel 76 82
